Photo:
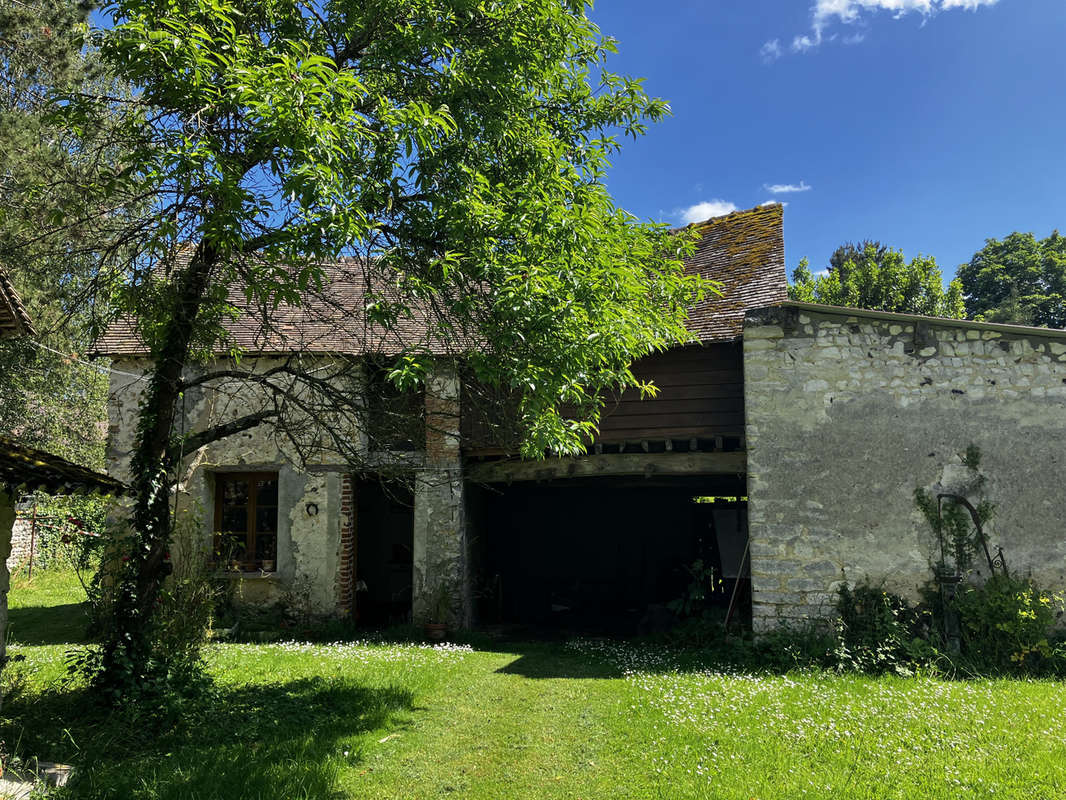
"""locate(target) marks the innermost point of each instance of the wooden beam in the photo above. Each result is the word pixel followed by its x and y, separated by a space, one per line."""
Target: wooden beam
pixel 609 465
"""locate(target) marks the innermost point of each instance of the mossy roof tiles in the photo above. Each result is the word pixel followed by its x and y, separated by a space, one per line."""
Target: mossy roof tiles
pixel 743 252
pixel 27 469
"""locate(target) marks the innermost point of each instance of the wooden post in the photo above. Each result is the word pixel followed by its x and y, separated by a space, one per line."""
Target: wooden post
pixel 33 538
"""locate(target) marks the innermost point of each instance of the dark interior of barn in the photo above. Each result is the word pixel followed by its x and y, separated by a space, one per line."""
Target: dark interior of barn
pixel 384 555
pixel 604 556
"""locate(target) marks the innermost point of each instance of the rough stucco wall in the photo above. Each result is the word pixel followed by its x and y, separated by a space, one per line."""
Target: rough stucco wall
pixel 846 416
pixel 311 558
pixel 308 545
pixel 441 556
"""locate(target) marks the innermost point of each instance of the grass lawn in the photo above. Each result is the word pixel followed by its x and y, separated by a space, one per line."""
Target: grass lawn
pixel 584 720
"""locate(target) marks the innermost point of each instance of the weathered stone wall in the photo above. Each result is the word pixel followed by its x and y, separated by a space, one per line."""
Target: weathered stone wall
pixel 317 536
pixel 848 414
pixel 7 520
pixel 22 543
pixel 441 557
pixel 309 496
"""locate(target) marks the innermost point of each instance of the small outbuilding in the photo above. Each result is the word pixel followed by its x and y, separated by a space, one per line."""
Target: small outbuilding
pixel 25 469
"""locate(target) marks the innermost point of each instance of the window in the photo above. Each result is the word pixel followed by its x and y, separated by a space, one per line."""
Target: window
pixel 396 419
pixel 246 520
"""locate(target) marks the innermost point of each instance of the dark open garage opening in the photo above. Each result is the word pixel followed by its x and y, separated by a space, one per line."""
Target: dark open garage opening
pixel 605 555
pixel 384 528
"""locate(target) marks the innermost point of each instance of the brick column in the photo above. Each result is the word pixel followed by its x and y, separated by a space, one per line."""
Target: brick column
pixel 440 544
pixel 346 561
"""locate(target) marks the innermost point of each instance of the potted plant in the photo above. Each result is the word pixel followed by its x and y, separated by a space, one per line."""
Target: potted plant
pixel 439 612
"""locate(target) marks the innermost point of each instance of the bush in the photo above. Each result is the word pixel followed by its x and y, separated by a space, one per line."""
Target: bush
pixel 188 601
pixel 876 632
pixel 67 531
pixel 1007 626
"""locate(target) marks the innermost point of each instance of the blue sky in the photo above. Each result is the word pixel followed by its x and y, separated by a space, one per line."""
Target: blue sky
pixel 927 124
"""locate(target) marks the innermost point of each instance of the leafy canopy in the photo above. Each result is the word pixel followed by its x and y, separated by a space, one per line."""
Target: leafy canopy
pixel 1020 279
pixel 47 398
pixel 457 147
pixel 871 275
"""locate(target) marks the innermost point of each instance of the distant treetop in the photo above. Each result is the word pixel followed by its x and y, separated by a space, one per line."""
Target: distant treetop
pixel 1020 280
pixel 873 276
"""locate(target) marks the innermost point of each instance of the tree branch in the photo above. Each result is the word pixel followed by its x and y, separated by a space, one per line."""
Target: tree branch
pixel 198 440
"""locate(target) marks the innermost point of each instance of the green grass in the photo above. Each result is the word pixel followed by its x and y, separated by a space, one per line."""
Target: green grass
pixel 47 609
pixel 584 720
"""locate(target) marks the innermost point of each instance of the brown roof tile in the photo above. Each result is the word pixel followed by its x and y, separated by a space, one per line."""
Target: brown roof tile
pixel 27 469
pixel 742 251
pixel 745 253
pixel 329 320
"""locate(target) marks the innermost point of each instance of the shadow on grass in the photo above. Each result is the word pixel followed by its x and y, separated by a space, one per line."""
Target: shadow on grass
pixel 284 740
pixel 40 625
pixel 545 661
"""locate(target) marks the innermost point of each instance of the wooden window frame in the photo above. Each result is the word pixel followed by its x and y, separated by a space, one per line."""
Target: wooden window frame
pixel 250 563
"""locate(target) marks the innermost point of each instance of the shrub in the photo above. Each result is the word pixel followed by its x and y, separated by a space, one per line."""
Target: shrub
pixel 876 632
pixel 188 600
pixel 67 531
pixel 1007 626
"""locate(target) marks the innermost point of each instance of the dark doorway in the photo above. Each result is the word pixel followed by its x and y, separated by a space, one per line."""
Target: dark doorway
pixel 384 555
pixel 596 555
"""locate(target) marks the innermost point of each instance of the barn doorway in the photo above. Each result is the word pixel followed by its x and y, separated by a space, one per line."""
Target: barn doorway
pixel 603 556
pixel 384 552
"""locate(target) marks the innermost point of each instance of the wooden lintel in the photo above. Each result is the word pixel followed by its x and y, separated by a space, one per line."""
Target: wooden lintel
pixel 609 465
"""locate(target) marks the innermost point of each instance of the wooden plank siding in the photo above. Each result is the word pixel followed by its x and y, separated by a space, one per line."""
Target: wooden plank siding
pixel 701 395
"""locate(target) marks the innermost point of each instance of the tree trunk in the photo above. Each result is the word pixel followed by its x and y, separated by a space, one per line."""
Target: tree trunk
pixel 128 647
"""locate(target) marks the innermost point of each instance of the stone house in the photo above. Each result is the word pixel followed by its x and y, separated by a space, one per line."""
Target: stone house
pixel 783 450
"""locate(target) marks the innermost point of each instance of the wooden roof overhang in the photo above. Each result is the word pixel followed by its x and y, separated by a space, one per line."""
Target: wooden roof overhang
pixel 14 320
pixel 25 469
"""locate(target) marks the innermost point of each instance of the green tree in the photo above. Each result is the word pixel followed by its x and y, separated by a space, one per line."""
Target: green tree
pixel 871 275
pixel 456 148
pixel 1020 279
pixel 49 398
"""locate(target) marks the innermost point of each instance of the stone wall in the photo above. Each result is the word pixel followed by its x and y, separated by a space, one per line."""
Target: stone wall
pixel 309 495
pixel 22 542
pixel 441 557
pixel 317 531
pixel 848 414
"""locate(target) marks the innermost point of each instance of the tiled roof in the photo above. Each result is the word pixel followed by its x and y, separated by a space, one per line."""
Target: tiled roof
pixel 14 320
pixel 26 469
pixel 742 251
pixel 745 253
pixel 329 320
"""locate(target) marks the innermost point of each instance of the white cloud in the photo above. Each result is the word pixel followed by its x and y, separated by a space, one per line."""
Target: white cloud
pixel 771 51
pixel 787 188
pixel 772 203
pixel 848 12
pixel 706 210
